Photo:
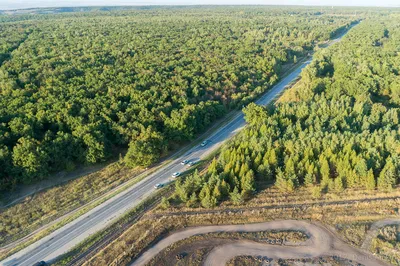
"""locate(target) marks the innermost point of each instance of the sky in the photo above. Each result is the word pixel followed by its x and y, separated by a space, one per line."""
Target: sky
pixel 14 4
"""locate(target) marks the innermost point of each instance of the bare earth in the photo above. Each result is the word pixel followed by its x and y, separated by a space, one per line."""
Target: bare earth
pixel 321 243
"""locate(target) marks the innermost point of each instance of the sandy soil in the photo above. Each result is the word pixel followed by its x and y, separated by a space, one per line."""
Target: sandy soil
pixel 322 242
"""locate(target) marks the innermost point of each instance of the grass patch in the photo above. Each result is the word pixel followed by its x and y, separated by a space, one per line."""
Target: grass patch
pixel 259 261
pixel 387 244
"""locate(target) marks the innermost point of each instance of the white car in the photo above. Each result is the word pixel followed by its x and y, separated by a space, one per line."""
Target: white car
pixel 157 186
pixel 175 175
pixel 204 143
pixel 184 162
pixel 191 163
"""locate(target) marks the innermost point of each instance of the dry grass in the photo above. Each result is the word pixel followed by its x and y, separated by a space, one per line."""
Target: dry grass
pixel 208 241
pixel 259 261
pixel 387 244
pixel 351 220
pixel 44 207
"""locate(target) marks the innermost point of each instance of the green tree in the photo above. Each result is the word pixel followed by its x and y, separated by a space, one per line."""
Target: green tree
pixel 236 197
pixel 146 149
pixel 387 178
pixel 193 201
pixel 370 182
pixel 165 204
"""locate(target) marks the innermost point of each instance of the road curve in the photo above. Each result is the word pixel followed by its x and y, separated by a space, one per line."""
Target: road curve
pixel 321 242
pixel 374 230
pixel 66 237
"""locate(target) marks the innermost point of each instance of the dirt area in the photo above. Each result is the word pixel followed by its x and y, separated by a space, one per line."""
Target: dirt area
pixel 22 192
pixel 264 261
pixel 193 251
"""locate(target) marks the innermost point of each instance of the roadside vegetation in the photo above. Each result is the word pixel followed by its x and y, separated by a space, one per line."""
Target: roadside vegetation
pixel 83 86
pixel 42 208
pixel 387 244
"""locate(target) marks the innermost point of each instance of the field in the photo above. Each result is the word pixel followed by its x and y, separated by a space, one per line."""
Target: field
pixel 350 219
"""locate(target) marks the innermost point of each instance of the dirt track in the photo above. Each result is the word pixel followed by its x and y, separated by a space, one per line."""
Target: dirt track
pixel 374 230
pixel 321 243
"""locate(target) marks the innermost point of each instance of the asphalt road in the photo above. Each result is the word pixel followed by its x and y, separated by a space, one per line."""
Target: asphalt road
pixel 321 242
pixel 65 238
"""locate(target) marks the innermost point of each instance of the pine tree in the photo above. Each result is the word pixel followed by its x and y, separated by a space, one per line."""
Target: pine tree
pixel 257 161
pixel 273 159
pixel 181 191
pixel 204 191
pixel 216 192
pixel 289 167
pixel 387 178
pixel 236 197
pixel 339 187
pixel 192 202
pixel 213 167
pixel 281 182
pixel 225 188
pixel 325 172
pixel 165 204
pixel 361 170
pixel 207 200
pixel 309 179
pixel 370 183
pixel 290 186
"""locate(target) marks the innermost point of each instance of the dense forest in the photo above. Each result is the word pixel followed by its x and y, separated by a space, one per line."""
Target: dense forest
pixel 337 128
pixel 77 88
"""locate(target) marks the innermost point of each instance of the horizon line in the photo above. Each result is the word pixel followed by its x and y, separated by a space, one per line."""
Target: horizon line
pixel 199 5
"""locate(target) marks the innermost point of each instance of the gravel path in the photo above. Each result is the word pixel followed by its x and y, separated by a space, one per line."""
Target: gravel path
pixel 322 242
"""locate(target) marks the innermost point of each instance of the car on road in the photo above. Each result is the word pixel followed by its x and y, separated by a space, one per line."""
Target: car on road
pixel 40 263
pixel 184 162
pixel 204 143
pixel 176 174
pixel 191 163
pixel 157 186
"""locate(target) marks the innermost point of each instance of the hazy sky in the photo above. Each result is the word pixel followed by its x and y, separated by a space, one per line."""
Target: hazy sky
pixel 10 4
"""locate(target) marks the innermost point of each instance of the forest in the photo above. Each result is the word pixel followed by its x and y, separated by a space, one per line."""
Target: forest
pixel 80 88
pixel 337 128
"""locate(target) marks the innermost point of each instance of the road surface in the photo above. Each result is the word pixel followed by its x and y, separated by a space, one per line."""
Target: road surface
pixel 321 242
pixel 66 237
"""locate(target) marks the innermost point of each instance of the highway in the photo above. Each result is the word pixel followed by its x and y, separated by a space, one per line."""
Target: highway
pixel 66 237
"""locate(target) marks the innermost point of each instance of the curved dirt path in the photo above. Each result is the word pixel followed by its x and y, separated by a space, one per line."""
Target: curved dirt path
pixel 321 242
pixel 374 230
